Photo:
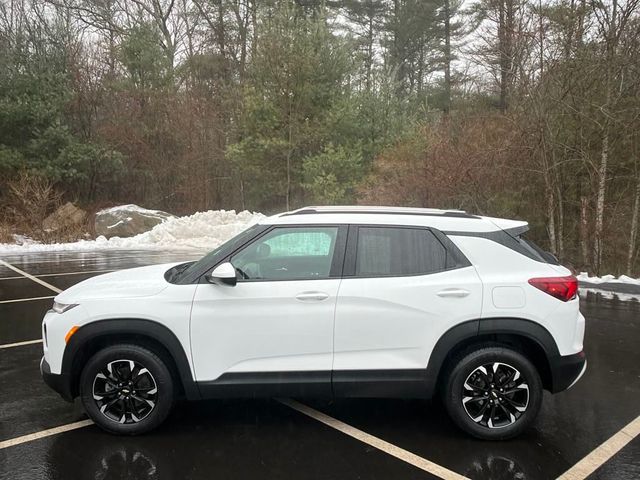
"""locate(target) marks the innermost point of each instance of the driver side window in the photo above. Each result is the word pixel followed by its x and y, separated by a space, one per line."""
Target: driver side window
pixel 288 253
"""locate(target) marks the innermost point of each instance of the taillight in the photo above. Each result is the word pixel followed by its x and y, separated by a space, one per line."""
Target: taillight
pixel 563 288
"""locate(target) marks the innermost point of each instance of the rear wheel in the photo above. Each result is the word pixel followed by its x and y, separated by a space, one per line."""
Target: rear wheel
pixel 126 389
pixel 493 393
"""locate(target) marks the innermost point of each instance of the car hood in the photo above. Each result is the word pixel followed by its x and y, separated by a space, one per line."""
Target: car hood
pixel 130 283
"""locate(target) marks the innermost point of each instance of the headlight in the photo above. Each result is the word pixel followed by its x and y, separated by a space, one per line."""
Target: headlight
pixel 63 307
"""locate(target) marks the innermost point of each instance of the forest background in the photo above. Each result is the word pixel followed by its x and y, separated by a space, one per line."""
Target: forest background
pixel 512 108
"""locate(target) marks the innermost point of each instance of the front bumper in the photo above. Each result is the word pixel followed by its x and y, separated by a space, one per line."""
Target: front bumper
pixel 60 383
pixel 567 370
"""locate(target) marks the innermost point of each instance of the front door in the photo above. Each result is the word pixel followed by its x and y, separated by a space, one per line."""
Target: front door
pixel 276 324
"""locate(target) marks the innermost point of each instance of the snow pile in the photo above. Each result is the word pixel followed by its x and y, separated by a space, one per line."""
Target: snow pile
pixel 127 220
pixel 584 277
pixel 201 231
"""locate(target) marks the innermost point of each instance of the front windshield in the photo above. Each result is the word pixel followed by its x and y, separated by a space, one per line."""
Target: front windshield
pixel 222 250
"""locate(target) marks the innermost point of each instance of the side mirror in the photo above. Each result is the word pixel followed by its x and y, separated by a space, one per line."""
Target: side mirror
pixel 225 273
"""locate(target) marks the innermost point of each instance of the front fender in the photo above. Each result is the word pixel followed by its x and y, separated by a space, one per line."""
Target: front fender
pixel 75 353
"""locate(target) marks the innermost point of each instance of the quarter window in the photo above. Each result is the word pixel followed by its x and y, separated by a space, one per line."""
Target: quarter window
pixel 398 251
pixel 288 254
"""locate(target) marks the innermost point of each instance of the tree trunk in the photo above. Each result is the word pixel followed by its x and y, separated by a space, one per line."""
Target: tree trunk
pixel 541 33
pixel 289 152
pixel 369 60
pixel 506 18
pixel 548 176
pixel 634 228
pixel 254 28
pixel 604 155
pixel 551 226
pixel 242 201
pixel 398 55
pixel 447 56
pixel 505 49
pixel 288 194
pixel 602 177
pixel 557 182
pixel 221 38
pixel 584 231
pixel 503 54
pixel 560 229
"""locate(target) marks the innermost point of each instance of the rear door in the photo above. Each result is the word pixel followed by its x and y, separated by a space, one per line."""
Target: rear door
pixel 403 288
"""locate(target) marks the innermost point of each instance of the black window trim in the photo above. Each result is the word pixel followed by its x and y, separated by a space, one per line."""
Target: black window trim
pixel 344 255
pixel 335 272
pixel 457 257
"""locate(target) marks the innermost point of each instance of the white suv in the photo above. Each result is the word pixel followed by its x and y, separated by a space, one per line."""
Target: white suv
pixel 328 302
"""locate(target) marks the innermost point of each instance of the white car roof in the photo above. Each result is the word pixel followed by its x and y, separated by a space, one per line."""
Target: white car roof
pixel 445 220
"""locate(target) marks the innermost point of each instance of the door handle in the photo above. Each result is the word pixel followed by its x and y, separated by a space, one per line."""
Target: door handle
pixel 312 296
pixel 453 292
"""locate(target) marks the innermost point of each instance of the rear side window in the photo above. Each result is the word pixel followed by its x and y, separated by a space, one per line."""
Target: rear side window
pixel 389 251
pixel 536 252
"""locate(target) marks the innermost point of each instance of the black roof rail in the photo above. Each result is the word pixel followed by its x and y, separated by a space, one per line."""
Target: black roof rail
pixel 417 212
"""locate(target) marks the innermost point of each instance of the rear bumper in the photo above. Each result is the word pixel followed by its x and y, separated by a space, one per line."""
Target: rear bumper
pixel 567 370
pixel 60 383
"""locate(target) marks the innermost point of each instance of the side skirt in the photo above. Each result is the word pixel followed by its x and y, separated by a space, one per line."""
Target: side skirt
pixel 410 383
pixel 325 384
pixel 268 384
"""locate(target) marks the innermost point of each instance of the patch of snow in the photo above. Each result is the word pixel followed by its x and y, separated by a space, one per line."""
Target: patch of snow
pixel 584 277
pixel 23 240
pixel 120 222
pixel 121 210
pixel 626 279
pixel 201 231
pixel 131 207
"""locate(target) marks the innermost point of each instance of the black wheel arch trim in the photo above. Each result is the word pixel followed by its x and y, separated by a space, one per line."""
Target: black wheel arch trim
pixel 130 326
pixel 520 326
pixel 467 331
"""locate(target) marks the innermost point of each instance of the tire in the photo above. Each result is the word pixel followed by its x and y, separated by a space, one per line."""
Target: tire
pixel 493 393
pixel 126 389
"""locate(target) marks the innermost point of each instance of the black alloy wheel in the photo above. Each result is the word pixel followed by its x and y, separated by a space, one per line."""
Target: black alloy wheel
pixel 493 392
pixel 495 395
pixel 125 391
pixel 127 388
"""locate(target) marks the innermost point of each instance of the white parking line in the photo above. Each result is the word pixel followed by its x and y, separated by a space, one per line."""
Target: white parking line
pixel 44 433
pixel 579 471
pixel 603 453
pixel 16 300
pixel 389 448
pixel 28 275
pixel 20 344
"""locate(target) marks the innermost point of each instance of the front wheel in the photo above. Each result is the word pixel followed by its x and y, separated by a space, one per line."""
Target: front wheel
pixel 493 393
pixel 126 389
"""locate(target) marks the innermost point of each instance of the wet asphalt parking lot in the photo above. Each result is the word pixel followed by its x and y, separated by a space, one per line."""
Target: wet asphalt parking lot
pixel 591 431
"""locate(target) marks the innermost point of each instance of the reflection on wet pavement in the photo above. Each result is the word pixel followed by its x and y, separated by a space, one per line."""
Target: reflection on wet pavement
pixel 595 293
